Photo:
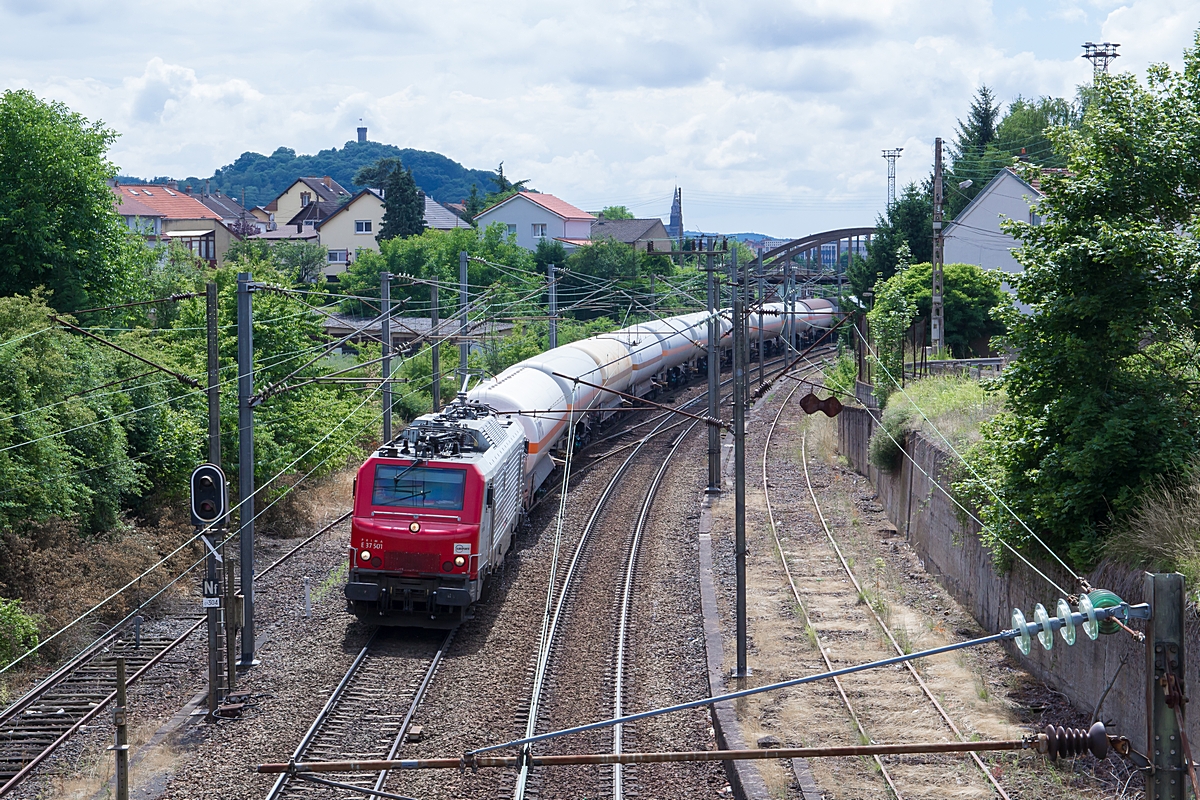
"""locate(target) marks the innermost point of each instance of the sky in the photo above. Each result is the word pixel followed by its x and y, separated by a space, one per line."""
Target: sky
pixel 771 116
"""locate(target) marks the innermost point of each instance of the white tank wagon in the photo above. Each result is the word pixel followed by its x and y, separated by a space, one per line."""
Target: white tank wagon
pixel 524 389
pixel 645 353
pixel 614 370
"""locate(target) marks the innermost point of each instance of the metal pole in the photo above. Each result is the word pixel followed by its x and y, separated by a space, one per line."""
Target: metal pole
pixel 245 333
pixel 385 297
pixel 653 294
pixel 937 323
pixel 714 381
pixel 739 465
pixel 1166 744
pixel 553 340
pixel 122 746
pixel 214 457
pixel 463 349
pixel 435 347
pixel 761 301
pixel 214 379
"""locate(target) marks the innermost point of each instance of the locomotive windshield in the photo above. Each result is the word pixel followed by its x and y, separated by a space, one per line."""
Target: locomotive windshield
pixel 418 487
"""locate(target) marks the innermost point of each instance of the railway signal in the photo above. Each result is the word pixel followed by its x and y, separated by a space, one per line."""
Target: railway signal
pixel 210 495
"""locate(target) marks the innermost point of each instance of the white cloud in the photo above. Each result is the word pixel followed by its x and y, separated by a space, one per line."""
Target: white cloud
pixel 770 114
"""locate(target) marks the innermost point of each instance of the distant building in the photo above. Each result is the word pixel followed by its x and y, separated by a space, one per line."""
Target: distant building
pixel 233 214
pixel 675 228
pixel 641 234
pixel 184 219
pixel 532 217
pixel 354 226
pixel 139 217
pixel 349 229
pixel 307 201
pixel 975 237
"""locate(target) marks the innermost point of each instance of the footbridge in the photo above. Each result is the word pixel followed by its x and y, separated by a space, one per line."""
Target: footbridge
pixel 807 249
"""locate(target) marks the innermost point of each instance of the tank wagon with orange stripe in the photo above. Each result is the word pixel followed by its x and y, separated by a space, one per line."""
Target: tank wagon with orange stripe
pixel 435 510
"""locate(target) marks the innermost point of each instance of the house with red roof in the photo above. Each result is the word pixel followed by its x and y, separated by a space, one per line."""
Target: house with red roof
pixel 180 218
pixel 533 216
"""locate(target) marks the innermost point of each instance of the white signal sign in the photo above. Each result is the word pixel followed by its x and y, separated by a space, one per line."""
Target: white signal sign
pixel 211 588
pixel 211 602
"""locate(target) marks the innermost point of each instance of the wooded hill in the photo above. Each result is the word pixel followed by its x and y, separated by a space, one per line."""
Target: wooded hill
pixel 264 177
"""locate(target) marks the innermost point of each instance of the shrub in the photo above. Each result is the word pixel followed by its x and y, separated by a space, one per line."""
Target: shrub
pixel 843 374
pixel 18 631
pixel 885 448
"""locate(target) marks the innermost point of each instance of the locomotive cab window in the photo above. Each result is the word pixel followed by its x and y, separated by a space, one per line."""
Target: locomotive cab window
pixel 397 485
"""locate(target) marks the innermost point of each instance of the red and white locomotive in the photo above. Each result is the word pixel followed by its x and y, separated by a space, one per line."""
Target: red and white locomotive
pixel 434 513
pixel 435 509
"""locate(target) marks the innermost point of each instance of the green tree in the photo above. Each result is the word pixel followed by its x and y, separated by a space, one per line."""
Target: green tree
pixel 616 212
pixel 970 295
pixel 302 262
pixel 474 204
pixel 376 175
pixel 403 206
pixel 909 221
pixel 1021 135
pixel 58 228
pixel 1102 398
pixel 889 320
pixel 591 272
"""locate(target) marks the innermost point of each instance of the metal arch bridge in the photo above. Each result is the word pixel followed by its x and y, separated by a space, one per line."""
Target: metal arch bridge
pixel 813 242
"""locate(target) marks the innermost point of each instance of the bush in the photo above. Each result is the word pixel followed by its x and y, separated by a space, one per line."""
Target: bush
pixel 842 376
pixel 18 631
pixel 885 448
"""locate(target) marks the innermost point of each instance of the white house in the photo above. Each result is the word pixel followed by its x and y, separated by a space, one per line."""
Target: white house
pixel 532 216
pixel 974 237
pixel 351 228
pixel 355 225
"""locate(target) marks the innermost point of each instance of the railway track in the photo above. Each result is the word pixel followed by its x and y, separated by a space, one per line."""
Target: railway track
pixel 65 702
pixel 60 706
pixel 618 578
pixel 875 717
pixel 369 714
pixel 567 586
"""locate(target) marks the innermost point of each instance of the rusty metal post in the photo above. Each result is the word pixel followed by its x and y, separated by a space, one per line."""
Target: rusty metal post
pixel 1165 671
pixel 121 748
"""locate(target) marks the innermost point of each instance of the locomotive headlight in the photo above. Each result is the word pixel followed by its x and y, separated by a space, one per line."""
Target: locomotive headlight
pixel 365 555
pixel 414 526
pixel 459 561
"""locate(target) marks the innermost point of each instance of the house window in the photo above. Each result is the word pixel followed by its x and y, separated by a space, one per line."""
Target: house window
pixel 512 230
pixel 539 230
pixel 338 256
pixel 1034 217
pixel 362 226
pixel 305 199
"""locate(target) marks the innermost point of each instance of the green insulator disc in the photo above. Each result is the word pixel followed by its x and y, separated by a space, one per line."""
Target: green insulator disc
pixel 1102 598
pixel 1068 628
pixel 1022 628
pixel 1045 634
pixel 1091 627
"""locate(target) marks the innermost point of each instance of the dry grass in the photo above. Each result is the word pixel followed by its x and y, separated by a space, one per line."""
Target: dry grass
pixel 1161 534
pixel 954 406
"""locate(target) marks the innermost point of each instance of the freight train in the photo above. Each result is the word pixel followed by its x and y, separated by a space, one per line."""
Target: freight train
pixel 436 509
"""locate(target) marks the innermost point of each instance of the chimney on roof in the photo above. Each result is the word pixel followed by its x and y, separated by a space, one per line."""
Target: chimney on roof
pixel 207 186
pixel 188 189
pixel 362 134
pixel 173 184
pixel 328 181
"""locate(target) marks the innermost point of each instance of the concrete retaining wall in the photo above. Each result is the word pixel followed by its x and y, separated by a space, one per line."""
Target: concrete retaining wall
pixel 954 555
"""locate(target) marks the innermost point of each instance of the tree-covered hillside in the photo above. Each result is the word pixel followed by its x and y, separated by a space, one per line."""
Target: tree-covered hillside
pixel 264 177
